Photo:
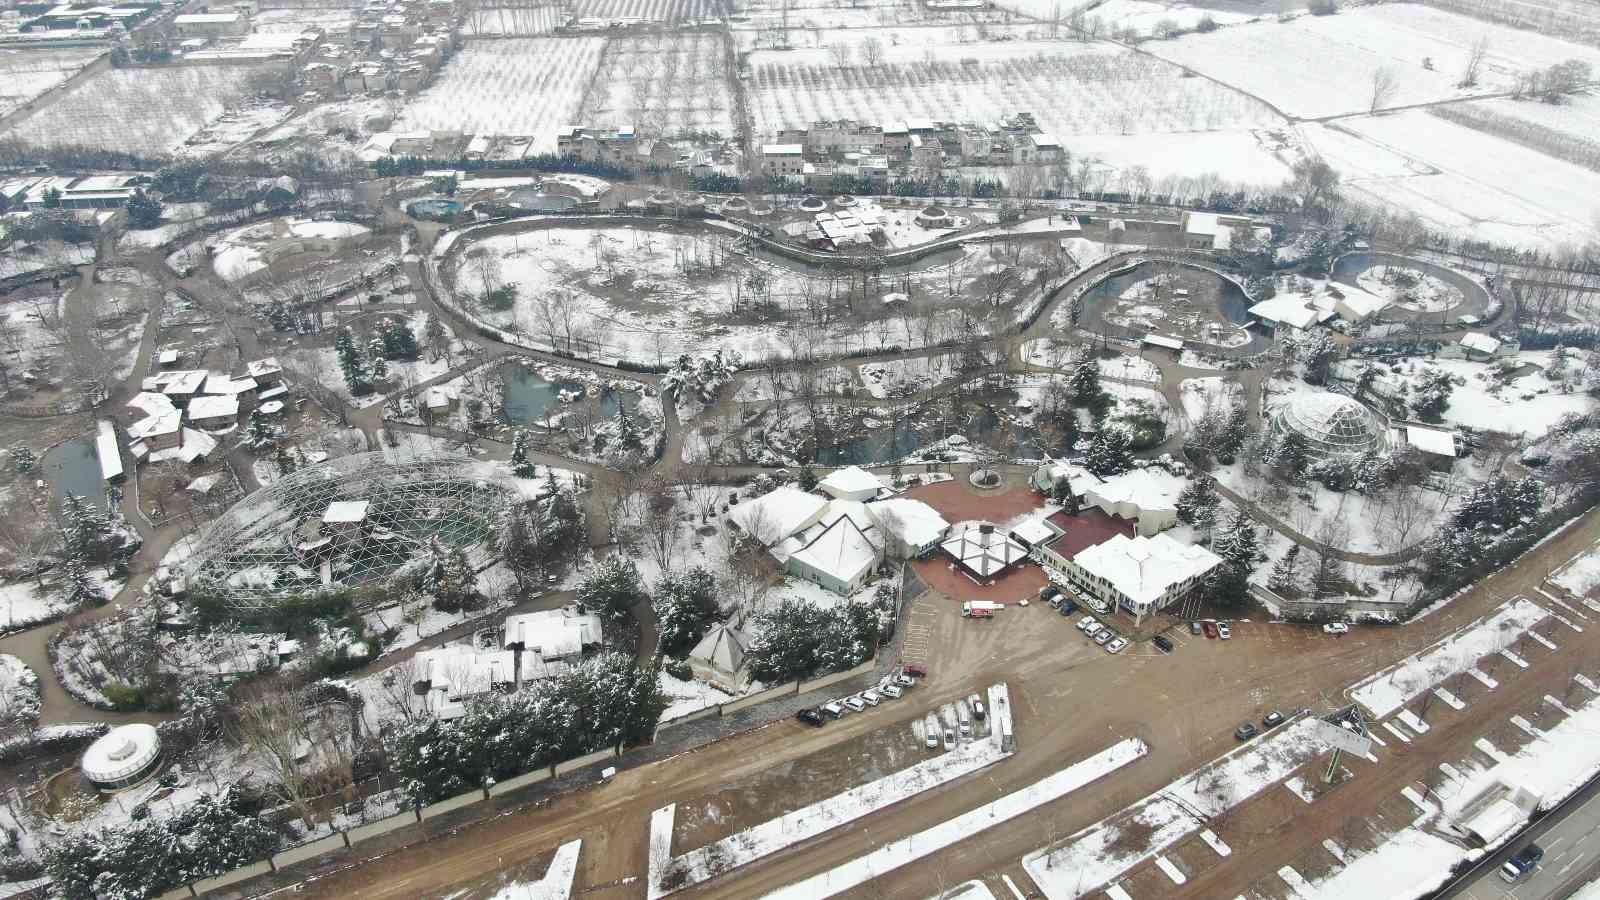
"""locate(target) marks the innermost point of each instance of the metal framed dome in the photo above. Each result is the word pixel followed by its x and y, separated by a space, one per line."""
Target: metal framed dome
pixel 1332 424
pixel 348 522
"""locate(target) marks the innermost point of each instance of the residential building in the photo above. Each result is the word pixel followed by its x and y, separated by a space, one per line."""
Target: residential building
pixel 851 483
pixel 616 146
pixel 719 658
pixel 1210 231
pixel 842 136
pixel 213 411
pixel 265 372
pixel 1140 574
pixel 211 25
pixel 897 140
pixel 555 635
pixel 783 160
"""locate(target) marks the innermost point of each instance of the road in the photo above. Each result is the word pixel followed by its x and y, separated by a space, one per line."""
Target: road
pixel 1571 843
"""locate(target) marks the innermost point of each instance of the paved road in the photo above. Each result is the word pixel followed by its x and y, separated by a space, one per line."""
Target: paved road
pixel 1572 858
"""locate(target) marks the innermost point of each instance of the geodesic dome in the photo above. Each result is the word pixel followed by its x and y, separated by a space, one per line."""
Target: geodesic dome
pixel 1332 424
pixel 348 522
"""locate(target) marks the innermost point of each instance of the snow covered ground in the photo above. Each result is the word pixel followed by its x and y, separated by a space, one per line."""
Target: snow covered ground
pixel 1496 396
pixel 1581 575
pixel 1203 394
pixel 556 883
pixel 1388 690
pixel 19 691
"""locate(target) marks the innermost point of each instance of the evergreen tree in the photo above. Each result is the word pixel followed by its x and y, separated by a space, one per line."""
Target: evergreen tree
pixel 1285 572
pixel 398 341
pixel 438 338
pixel 376 361
pixel 1290 456
pixel 1085 382
pixel 520 466
pixel 77 588
pixel 627 430
pixel 144 211
pixel 261 434
pixel 84 528
pixel 352 363
pixel 1432 395
pixel 1326 576
pixel 798 639
pixel 1109 452
pixel 1231 438
pixel 1317 356
pixel 1238 543
pixel 1198 502
pixel 24 460
pixel 807 479
pixel 612 588
pixel 685 605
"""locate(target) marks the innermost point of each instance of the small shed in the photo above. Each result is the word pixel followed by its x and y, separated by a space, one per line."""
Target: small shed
pixel 345 518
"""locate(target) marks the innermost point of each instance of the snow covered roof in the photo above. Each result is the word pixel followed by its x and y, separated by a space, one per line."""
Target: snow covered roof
pixel 912 522
pixel 193 445
pixel 1361 304
pixel 983 548
pixel 1033 530
pixel 722 647
pixel 260 367
pixel 853 482
pixel 164 423
pixel 121 753
pixel 181 383
pixel 783 149
pixel 1080 479
pixel 151 403
pixel 1145 568
pixel 105 447
pixel 1432 440
pixel 211 406
pixel 1149 489
pixel 1479 342
pixel 1201 223
pixel 841 549
pixel 218 383
pixel 777 514
pixel 345 511
pixel 553 633
pixel 1161 340
pixel 1293 310
pixel 460 671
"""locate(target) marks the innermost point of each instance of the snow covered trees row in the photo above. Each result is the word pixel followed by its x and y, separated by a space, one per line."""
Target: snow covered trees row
pixel 603 702
pixel 798 639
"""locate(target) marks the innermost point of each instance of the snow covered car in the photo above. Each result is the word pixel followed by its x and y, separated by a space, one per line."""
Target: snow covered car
pixel 1085 622
pixel 1116 645
pixel 833 709
pixel 1336 628
pixel 871 698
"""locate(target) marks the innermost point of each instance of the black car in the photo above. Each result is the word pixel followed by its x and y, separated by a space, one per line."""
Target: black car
pixel 1524 861
pixel 1246 731
pixel 1162 642
pixel 1273 719
pixel 810 717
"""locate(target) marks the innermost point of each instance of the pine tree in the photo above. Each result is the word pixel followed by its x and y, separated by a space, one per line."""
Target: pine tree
pixel 808 478
pixel 1237 430
pixel 261 433
pixel 520 466
pixel 1285 571
pixel 84 528
pixel 1085 382
pixel 1197 501
pixel 351 362
pixel 398 341
pixel 1238 543
pixel 76 585
pixel 1109 452
pixel 627 431
pixel 375 359
pixel 612 588
pixel 24 460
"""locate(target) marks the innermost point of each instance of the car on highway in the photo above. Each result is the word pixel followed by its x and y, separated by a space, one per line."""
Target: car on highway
pixel 1521 863
pixel 1210 628
pixel 1336 628
pixel 1272 719
pixel 1223 631
pixel 1245 731
pixel 810 717
pixel 1103 635
pixel 1116 645
pixel 1162 642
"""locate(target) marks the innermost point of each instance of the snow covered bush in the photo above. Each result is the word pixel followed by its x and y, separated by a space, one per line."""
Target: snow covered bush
pixel 19 696
pixel 799 639
pixel 603 702
pixel 700 377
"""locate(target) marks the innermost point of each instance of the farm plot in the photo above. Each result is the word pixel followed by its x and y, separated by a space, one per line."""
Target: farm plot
pixel 1323 65
pixel 1569 131
pixel 526 86
pixel 171 105
pixel 1085 90
pixel 650 10
pixel 664 84
pixel 1139 15
pixel 1454 178
pixel 25 74
pixel 512 18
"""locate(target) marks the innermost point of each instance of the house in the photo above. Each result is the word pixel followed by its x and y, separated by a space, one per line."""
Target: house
pixel 1438 447
pixel 345 518
pixel 1295 312
pixel 1141 574
pixel 446 678
pixel 1210 231
pixel 850 483
pixel 211 25
pixel 1357 306
pixel 1479 347
pixel 1148 496
pixel 982 551
pixel 1079 479
pixel 910 528
pixel 180 386
pixel 555 635
pixel 213 411
pixel 1035 149
pixel 162 431
pixel 841 136
pixel 783 160
pixel 838 552
pixel 265 372
pixel 220 385
pixel 719 658
pixel 777 514
pixel 897 140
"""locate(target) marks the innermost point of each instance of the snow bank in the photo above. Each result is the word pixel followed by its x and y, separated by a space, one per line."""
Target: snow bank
pixel 1409 864
pixel 556 883
pixel 1388 690
pixel 1582 574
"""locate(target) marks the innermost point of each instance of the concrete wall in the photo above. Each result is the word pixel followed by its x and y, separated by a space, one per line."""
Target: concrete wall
pixel 177 893
pixel 561 768
pixel 706 713
pixel 382 826
pixel 329 844
pixel 837 677
pixel 234 877
pixel 768 694
pixel 453 803
pixel 521 781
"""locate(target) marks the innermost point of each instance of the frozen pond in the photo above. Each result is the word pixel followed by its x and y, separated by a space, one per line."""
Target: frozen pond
pixel 73 467
pixel 531 399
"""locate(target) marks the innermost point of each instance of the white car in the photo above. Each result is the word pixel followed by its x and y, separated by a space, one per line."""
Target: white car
pixel 1094 629
pixel 1116 645
pixel 890 690
pixel 1085 622
pixel 1336 628
pixel 855 703
pixel 1223 631
pixel 871 697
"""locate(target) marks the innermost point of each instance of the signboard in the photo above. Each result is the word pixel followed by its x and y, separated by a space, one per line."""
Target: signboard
pixel 1342 738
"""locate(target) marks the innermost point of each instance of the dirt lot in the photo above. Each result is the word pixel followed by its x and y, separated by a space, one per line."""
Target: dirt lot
pixel 1070 699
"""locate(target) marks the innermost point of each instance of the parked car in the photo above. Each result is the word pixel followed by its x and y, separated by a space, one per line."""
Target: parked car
pixel 1086 621
pixel 810 717
pixel 1210 629
pixel 870 698
pixel 1067 606
pixel 1272 719
pixel 1245 731
pixel 904 680
pixel 1116 645
pixel 931 729
pixel 1093 629
pixel 890 690
pixel 1162 642
pixel 1194 627
pixel 1055 601
pixel 1223 631
pixel 1104 635
pixel 917 670
pixel 1336 628
pixel 976 706
pixel 855 703
pixel 834 709
pixel 1521 863
pixel 1049 592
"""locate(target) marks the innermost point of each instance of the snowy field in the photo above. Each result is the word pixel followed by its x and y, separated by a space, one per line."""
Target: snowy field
pixel 1237 155
pixel 1322 65
pixel 664 84
pixel 1202 395
pixel 1454 178
pixel 25 74
pixel 1486 397
pixel 1140 15
pixel 1071 88
pixel 486 87
pixel 173 103
pixel 1387 691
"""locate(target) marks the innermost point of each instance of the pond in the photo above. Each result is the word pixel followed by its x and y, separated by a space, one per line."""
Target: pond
pixel 73 467
pixel 1231 300
pixel 538 201
pixel 435 208
pixel 530 398
pixel 907 436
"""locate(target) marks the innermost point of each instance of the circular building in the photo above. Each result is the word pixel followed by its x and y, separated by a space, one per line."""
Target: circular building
pixel 122 757
pixel 935 217
pixel 346 523
pixel 1332 424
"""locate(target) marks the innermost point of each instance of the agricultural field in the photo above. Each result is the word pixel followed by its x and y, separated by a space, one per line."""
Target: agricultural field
pixel 1072 89
pixel 649 10
pixel 512 18
pixel 1568 131
pixel 1572 19
pixel 172 103
pixel 25 74
pixel 1316 66
pixel 1143 15
pixel 1455 178
pixel 526 86
pixel 664 84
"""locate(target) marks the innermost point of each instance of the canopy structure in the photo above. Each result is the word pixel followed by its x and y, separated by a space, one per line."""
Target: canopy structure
pixel 123 756
pixel 1332 424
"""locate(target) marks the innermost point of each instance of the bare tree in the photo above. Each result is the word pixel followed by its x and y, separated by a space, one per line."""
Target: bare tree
pixel 1475 56
pixel 871 52
pixel 273 726
pixel 1384 85
pixel 839 52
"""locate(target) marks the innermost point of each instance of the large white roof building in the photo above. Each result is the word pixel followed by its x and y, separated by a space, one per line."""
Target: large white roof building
pixel 1141 574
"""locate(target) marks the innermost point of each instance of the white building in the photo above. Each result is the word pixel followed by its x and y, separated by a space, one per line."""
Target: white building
pixel 213 411
pixel 910 528
pixel 555 635
pixel 983 551
pixel 1357 306
pixel 852 483
pixel 1148 497
pixel 446 678
pixel 718 659
pixel 1294 311
pixel 1141 574
pixel 783 160
pixel 777 514
pixel 839 551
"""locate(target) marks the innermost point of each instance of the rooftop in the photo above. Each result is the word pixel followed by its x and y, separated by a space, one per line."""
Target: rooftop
pixel 1142 568
pixel 345 511
pixel 777 514
pixel 983 548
